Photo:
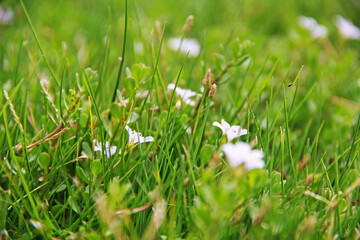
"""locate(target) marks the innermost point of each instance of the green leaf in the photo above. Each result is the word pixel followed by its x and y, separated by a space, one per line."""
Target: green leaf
pixel 56 209
pixel 73 204
pixel 132 118
pixel 44 160
pixel 241 60
pixel 106 124
pixel 183 119
pixel 220 62
pixel 130 85
pixel 139 71
pixel 95 168
pixel 115 110
pixel 61 188
pixel 120 97
pixel 87 150
pixel 90 74
pixel 81 174
pixel 128 73
pixel 236 48
pixel 206 153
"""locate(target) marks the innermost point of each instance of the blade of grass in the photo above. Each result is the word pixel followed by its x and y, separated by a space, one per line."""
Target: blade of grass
pixel 122 56
pixel 39 45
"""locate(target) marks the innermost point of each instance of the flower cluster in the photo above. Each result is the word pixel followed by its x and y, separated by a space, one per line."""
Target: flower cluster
pixel 184 94
pixel 6 16
pixel 134 139
pixel 230 131
pixel 316 30
pixel 347 29
pixel 240 152
pixel 185 45
pixel 108 151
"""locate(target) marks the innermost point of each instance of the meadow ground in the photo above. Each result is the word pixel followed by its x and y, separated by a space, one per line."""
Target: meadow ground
pixel 179 119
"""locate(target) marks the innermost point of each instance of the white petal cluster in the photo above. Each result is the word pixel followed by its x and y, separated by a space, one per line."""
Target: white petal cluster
pixel 108 151
pixel 316 30
pixel 190 45
pixel 230 131
pixel 241 153
pixel 184 94
pixel 136 137
pixel 346 28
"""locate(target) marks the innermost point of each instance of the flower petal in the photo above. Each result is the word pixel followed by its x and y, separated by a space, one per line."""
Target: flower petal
pixel 225 124
pixel 241 153
pixel 148 139
pixel 216 124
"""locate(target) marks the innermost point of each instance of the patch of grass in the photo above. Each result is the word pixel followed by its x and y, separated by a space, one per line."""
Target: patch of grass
pixel 65 86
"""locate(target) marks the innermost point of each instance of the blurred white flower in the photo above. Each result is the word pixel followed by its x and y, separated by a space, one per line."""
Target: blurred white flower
pixel 241 153
pixel 136 137
pixel 230 131
pixel 316 30
pixel 347 29
pixel 139 48
pixel 108 151
pixel 6 16
pixel 190 45
pixel 185 94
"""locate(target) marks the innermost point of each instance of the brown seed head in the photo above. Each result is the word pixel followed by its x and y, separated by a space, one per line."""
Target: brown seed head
pixel 212 91
pixel 207 79
pixel 188 23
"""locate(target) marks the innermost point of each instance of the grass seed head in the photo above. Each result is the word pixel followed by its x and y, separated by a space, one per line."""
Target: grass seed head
pixel 188 24
pixel 212 91
pixel 207 79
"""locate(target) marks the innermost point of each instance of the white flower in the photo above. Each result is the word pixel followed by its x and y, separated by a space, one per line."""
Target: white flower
pixel 136 137
pixel 139 48
pixel 109 151
pixel 6 16
pixel 316 30
pixel 190 45
pixel 347 29
pixel 230 131
pixel 241 153
pixel 185 94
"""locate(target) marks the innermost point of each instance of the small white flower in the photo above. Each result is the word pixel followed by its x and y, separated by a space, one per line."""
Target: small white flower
pixel 6 16
pixel 184 94
pixel 316 30
pixel 347 29
pixel 136 137
pixel 230 131
pixel 190 45
pixel 241 153
pixel 109 151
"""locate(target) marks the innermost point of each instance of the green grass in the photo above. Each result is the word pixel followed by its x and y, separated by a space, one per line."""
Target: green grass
pixel 65 86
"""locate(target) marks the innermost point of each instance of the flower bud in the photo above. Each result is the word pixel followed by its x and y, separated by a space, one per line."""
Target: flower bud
pixel 178 105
